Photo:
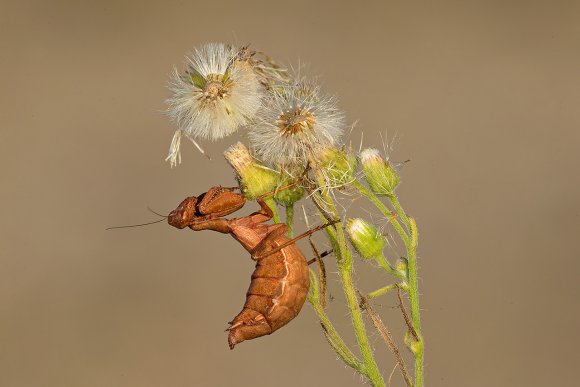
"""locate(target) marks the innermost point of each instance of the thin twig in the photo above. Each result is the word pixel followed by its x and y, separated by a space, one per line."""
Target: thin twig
pixel 406 315
pixel 322 255
pixel 391 374
pixel 386 335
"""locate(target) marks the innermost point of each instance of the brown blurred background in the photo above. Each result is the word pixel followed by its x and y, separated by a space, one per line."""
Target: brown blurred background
pixel 483 97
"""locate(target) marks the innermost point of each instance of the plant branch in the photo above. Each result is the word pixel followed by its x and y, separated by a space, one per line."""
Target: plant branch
pixel 399 210
pixel 321 273
pixel 330 332
pixel 417 347
pixel 344 259
pixel 410 238
pixel 269 200
pixel 290 220
pixel 406 315
pixel 383 209
pixel 388 338
pixel 382 261
pixel 381 291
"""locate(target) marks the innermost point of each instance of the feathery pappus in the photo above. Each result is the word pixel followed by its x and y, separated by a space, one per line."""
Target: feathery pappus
pixel 296 124
pixel 218 93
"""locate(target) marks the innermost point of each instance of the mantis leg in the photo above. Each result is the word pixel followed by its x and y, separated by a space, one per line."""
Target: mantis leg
pixel 293 240
pixel 265 212
pixel 213 224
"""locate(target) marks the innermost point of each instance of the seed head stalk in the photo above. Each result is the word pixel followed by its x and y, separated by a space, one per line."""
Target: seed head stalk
pixel 270 202
pixel 330 332
pixel 418 346
pixel 344 260
pixel 290 219
pixel 410 237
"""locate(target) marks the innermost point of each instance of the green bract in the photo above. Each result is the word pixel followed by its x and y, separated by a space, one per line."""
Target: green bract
pixel 288 196
pixel 402 266
pixel 255 179
pixel 338 167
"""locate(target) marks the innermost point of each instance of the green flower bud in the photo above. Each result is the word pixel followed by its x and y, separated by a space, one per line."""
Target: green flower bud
pixel 338 166
pixel 381 177
pixel 402 266
pixel 365 238
pixel 254 178
pixel 288 196
pixel 416 347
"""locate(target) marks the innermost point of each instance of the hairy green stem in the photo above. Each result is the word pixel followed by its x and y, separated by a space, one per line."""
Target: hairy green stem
pixel 414 301
pixel 381 291
pixel 269 200
pixel 290 220
pixel 399 210
pixel 344 259
pixel 383 209
pixel 410 238
pixel 330 332
pixel 386 266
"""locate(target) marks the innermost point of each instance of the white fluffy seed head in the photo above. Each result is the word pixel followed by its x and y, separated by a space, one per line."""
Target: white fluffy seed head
pixel 296 124
pixel 216 95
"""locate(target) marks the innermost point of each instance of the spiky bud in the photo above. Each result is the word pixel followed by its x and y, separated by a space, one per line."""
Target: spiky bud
pixel 254 178
pixel 365 238
pixel 381 177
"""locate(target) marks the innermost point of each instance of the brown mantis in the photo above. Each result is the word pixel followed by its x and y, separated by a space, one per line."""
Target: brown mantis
pixel 280 281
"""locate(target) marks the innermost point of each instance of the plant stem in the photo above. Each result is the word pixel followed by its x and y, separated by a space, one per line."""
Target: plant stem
pixel 330 332
pixel 344 259
pixel 399 210
pixel 290 220
pixel 410 238
pixel 386 266
pixel 414 301
pixel 269 200
pixel 381 291
pixel 388 338
pixel 383 209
